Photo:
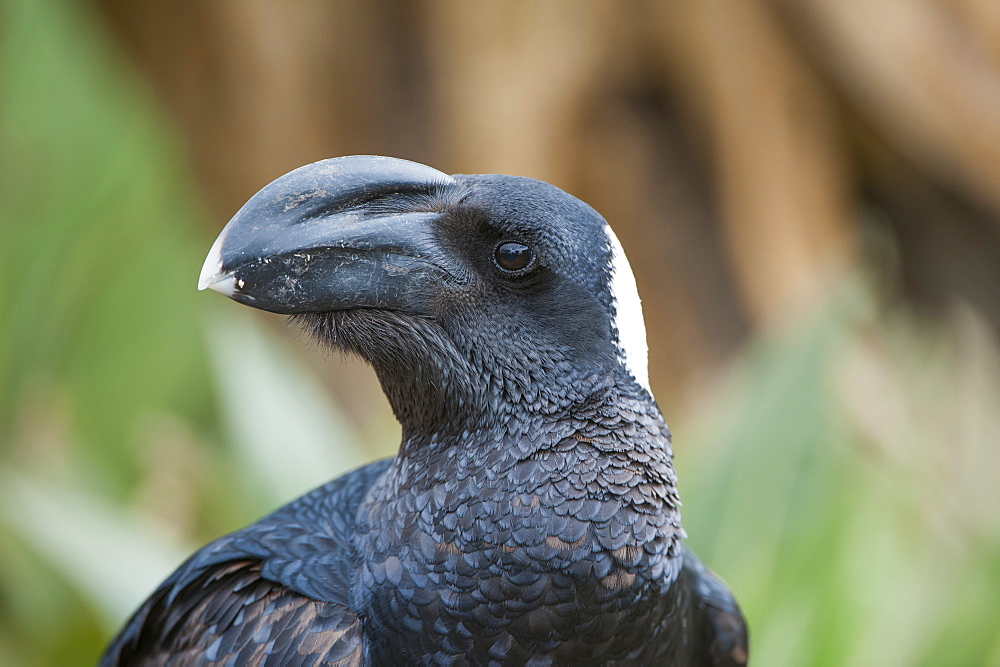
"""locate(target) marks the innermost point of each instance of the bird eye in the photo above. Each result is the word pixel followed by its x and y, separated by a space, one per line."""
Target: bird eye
pixel 513 257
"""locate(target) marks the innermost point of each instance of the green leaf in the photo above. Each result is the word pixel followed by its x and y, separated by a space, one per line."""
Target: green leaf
pixel 113 557
pixel 278 416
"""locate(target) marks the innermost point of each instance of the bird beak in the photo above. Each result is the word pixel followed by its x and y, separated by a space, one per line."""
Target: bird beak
pixel 351 232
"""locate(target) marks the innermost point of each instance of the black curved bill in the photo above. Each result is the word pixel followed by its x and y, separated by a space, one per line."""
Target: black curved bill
pixel 350 232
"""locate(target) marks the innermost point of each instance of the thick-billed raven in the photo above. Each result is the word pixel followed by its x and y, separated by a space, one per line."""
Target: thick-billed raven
pixel 531 515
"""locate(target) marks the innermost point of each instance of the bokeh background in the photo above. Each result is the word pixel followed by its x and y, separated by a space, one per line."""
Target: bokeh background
pixel 809 191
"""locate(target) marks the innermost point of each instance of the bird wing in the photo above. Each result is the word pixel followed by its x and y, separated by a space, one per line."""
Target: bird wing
pixel 277 590
pixel 719 636
pixel 230 614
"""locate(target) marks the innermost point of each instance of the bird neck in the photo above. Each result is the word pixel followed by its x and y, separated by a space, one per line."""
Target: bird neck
pixel 485 408
pixel 588 442
pixel 463 399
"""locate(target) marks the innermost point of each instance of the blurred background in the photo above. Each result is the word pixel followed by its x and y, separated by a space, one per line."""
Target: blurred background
pixel 809 192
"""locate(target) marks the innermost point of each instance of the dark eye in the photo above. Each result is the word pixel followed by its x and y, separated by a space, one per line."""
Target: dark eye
pixel 512 256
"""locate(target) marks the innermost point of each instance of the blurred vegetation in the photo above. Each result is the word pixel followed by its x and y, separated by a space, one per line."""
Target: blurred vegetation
pixel 829 363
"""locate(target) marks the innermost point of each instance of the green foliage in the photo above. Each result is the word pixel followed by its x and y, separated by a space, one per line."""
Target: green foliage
pixel 831 484
pixel 842 479
pixel 97 241
pixel 118 451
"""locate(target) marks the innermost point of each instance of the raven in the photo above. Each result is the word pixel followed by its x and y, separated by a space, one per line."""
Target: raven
pixel 531 514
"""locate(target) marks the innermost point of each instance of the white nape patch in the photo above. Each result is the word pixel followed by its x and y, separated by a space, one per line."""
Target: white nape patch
pixel 628 321
pixel 211 270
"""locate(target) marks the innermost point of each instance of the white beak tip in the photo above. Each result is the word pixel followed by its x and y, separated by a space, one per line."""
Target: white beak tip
pixel 205 281
pixel 223 283
pixel 211 271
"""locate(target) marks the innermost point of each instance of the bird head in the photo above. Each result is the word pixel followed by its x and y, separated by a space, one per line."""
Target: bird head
pixel 468 294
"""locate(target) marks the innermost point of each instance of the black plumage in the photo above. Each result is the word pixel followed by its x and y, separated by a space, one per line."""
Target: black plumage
pixel 531 515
